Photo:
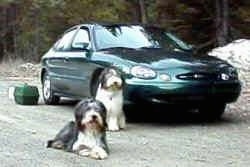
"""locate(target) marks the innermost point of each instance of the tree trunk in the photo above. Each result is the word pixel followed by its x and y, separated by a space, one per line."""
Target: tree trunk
pixel 221 21
pixel 4 32
pixel 1 32
pixel 143 11
pixel 225 17
pixel 136 15
pixel 14 30
pixel 35 55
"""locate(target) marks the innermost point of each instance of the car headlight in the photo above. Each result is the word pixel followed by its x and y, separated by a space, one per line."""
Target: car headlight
pixel 143 72
pixel 224 76
pixel 228 72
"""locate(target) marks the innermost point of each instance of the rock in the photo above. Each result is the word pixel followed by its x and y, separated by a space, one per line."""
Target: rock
pixel 237 53
pixel 26 66
pixel 29 69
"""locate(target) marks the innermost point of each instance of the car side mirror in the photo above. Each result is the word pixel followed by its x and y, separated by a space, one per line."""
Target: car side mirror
pixel 81 45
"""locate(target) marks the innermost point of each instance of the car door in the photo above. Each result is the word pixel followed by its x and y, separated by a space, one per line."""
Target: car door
pixel 80 66
pixel 58 64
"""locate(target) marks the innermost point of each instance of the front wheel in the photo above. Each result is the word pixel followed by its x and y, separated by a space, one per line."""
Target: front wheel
pixel 212 111
pixel 48 94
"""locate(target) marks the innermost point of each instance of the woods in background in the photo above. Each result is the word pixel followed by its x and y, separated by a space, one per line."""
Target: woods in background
pixel 29 27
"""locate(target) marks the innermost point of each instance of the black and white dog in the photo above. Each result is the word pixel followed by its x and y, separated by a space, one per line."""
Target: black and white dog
pixel 110 93
pixel 86 136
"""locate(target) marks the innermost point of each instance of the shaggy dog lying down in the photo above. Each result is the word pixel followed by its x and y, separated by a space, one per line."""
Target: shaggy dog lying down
pixel 86 136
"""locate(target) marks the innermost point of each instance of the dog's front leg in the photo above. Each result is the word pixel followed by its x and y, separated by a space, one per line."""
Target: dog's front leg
pixel 122 120
pixel 113 124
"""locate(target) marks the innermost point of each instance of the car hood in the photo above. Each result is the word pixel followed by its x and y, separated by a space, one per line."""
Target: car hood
pixel 162 59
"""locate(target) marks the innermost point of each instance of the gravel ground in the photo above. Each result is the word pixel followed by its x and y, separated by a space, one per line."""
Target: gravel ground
pixel 161 138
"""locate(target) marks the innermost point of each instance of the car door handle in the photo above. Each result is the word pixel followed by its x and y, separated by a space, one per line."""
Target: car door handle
pixel 66 59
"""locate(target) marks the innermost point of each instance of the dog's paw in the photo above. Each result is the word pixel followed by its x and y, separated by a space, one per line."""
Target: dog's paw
pixel 84 152
pixel 113 125
pixel 98 153
pixel 122 126
pixel 113 128
pixel 122 122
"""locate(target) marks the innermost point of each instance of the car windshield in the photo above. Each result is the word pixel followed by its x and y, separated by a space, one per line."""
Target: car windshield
pixel 136 37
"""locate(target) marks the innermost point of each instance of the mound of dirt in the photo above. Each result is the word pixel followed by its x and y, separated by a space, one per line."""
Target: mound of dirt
pixel 236 53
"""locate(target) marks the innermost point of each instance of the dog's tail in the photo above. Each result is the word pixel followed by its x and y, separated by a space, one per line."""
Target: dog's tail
pixel 49 143
pixel 57 144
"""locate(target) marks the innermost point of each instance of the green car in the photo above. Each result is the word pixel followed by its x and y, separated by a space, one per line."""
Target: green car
pixel 157 67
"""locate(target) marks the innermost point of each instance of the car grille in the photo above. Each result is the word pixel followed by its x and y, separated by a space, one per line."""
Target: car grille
pixel 175 99
pixel 198 76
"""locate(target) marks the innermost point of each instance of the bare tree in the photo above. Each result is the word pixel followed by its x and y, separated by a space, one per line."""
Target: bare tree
pixel 4 31
pixel 221 21
pixel 143 11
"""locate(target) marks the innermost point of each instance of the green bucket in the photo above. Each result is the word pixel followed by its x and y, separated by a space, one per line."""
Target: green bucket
pixel 26 95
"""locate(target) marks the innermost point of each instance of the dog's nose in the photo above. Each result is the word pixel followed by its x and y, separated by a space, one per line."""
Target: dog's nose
pixel 94 117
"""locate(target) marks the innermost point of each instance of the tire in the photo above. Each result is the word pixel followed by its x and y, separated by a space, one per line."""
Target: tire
pixel 48 94
pixel 212 111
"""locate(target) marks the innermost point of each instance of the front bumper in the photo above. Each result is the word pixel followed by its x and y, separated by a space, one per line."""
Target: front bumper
pixel 181 92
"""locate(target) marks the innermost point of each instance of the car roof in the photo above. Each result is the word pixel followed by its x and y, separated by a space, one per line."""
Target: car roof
pixel 110 24
pixel 92 24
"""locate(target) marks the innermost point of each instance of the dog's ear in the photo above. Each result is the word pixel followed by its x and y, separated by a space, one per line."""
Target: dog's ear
pixel 103 112
pixel 105 120
pixel 102 78
pixel 79 113
pixel 102 108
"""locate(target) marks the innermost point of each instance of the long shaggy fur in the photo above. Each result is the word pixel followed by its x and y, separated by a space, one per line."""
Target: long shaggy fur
pixel 110 93
pixel 86 135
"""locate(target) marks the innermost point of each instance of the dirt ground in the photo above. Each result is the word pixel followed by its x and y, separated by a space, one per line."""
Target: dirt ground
pixel 159 138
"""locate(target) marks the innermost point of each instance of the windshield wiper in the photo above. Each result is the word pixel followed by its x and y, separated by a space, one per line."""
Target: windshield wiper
pixel 149 47
pixel 119 47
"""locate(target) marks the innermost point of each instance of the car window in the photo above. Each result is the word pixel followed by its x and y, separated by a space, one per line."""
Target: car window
pixel 81 39
pixel 123 36
pixel 65 41
pixel 56 43
pixel 136 37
